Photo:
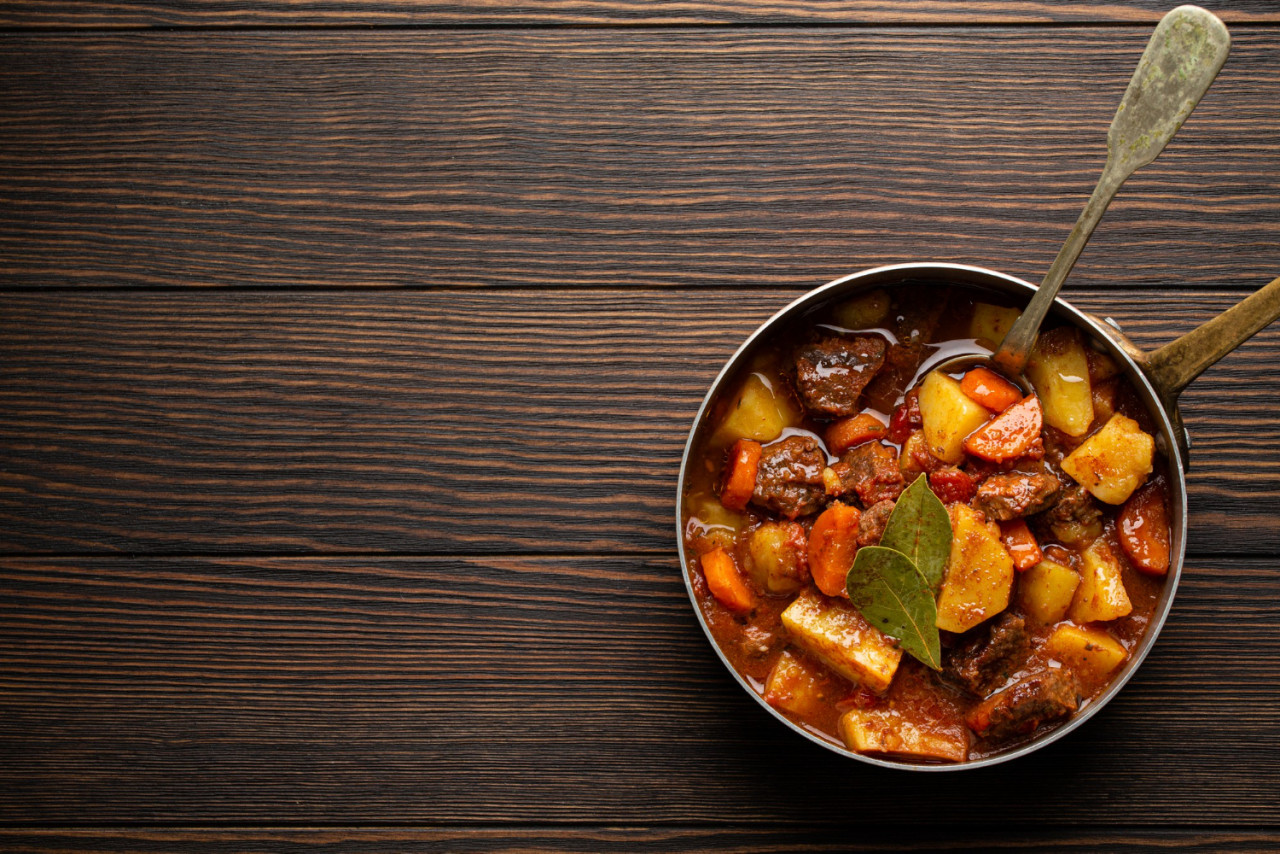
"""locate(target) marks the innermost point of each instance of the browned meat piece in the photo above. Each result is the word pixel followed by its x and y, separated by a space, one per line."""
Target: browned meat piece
pixel 1024 705
pixel 1075 504
pixel 1014 494
pixel 871 470
pixel 872 524
pixel 985 661
pixel 832 372
pixel 789 478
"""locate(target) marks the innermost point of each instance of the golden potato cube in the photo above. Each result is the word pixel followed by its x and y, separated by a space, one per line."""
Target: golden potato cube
pixel 1045 591
pixel 1091 653
pixel 778 557
pixel 948 416
pixel 863 311
pixel 991 323
pixel 796 685
pixel 710 524
pixel 1113 462
pixel 887 731
pixel 757 412
pixel 832 631
pixel 1101 594
pixel 1059 370
pixel 979 573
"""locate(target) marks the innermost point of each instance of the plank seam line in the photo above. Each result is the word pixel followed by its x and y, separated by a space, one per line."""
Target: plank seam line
pixel 616 26
pixel 511 286
pixel 7 828
pixel 1259 557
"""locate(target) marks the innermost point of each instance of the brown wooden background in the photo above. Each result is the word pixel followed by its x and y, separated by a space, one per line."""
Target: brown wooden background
pixel 348 351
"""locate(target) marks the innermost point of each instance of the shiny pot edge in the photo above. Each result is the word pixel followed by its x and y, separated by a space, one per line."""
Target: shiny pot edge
pixel 1170 442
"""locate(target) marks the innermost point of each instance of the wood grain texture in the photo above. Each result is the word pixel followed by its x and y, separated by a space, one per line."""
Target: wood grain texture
pixel 607 158
pixel 552 690
pixel 219 13
pixel 597 840
pixel 532 421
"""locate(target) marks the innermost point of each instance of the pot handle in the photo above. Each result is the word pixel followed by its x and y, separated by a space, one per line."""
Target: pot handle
pixel 1173 367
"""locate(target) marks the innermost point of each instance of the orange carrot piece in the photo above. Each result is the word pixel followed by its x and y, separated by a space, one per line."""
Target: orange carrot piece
pixel 740 474
pixel 854 430
pixel 990 389
pixel 1010 434
pixel 1143 529
pixel 726 582
pixel 1021 544
pixel 833 542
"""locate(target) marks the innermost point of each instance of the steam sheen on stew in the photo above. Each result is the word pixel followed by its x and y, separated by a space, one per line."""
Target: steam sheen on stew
pixel 1057 499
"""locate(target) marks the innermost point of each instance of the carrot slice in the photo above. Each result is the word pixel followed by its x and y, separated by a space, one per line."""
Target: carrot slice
pixel 1021 544
pixel 740 474
pixel 1143 529
pixel 1010 434
pixel 726 582
pixel 990 389
pixel 833 542
pixel 854 430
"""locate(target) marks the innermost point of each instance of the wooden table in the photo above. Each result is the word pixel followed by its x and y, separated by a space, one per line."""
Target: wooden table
pixel 348 352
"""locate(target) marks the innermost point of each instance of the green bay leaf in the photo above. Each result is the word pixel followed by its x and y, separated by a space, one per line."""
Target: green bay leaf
pixel 920 528
pixel 885 586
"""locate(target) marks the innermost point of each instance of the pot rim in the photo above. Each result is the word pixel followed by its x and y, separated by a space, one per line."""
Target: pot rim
pixel 1169 443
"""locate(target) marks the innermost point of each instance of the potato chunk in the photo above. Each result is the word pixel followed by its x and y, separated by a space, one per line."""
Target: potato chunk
pixel 948 416
pixel 864 310
pixel 991 323
pixel 799 686
pixel 887 731
pixel 757 412
pixel 1113 462
pixel 832 631
pixel 1091 653
pixel 979 573
pixel 777 557
pixel 1101 594
pixel 1046 590
pixel 1059 370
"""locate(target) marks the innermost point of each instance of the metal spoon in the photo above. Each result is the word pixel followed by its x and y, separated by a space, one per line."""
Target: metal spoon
pixel 1184 55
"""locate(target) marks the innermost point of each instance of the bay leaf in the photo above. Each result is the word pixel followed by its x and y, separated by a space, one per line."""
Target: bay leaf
pixel 920 528
pixel 887 589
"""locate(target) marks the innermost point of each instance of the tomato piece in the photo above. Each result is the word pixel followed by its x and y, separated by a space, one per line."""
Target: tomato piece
pixel 833 543
pixel 726 582
pixel 906 418
pixel 740 474
pixel 1010 434
pixel 1143 528
pixel 951 484
pixel 854 430
pixel 1021 544
pixel 990 389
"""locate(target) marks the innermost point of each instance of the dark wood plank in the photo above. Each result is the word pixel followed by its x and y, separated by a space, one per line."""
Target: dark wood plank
pixel 553 690
pixel 744 158
pixel 504 422
pixel 205 13
pixel 597 840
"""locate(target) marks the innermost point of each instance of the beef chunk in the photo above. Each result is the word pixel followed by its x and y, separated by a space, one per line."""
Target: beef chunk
pixel 1075 504
pixel 1024 705
pixel 832 372
pixel 872 524
pixel 1011 495
pixel 985 660
pixel 871 470
pixel 789 478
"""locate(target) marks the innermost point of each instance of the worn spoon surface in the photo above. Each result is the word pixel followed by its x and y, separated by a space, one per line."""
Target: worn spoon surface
pixel 1184 55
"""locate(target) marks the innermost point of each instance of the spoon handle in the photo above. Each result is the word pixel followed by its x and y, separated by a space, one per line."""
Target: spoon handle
pixel 1185 53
